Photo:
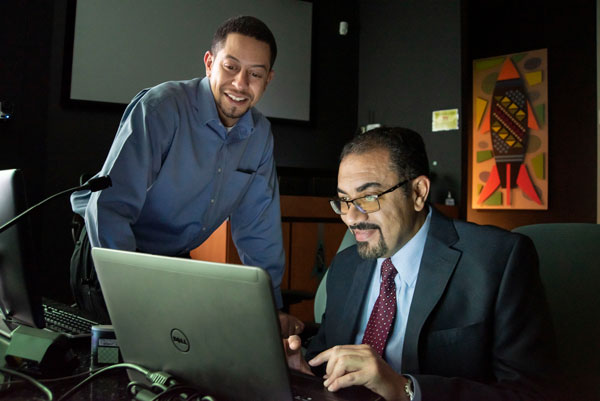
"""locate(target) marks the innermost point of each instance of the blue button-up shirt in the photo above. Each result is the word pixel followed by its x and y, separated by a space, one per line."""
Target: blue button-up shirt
pixel 177 173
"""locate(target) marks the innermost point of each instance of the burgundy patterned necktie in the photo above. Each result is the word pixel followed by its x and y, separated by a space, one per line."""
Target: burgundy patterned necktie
pixel 384 311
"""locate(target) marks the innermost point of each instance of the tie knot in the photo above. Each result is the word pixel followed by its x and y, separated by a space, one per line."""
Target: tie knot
pixel 388 271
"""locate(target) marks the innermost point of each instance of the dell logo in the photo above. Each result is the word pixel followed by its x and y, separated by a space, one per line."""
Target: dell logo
pixel 179 340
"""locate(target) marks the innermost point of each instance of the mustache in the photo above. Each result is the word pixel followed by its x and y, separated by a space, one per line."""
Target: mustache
pixel 365 226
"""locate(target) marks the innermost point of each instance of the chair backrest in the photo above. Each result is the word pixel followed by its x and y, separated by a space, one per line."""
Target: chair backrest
pixel 569 255
pixel 321 295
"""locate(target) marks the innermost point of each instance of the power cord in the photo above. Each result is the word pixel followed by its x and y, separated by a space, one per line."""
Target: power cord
pixel 31 380
pixel 159 381
pixel 140 369
pixel 179 390
pixel 163 382
pixel 56 379
pixel 170 389
pixel 7 380
pixel 183 392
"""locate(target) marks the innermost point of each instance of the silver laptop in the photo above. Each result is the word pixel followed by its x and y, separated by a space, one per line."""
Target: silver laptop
pixel 212 325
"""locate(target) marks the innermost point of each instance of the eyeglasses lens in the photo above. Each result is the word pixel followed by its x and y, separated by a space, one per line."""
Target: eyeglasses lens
pixel 364 205
pixel 367 205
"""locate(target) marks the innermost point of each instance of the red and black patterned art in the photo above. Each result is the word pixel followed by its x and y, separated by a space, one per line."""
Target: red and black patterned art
pixel 505 128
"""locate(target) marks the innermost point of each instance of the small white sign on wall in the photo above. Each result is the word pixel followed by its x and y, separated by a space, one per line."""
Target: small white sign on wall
pixel 444 120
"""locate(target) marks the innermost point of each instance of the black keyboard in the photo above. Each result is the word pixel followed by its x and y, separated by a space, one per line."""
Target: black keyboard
pixel 69 323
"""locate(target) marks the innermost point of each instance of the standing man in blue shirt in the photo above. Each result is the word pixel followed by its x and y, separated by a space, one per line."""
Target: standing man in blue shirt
pixel 190 154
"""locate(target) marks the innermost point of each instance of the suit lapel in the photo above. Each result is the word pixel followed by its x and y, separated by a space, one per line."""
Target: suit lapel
pixel 437 265
pixel 356 294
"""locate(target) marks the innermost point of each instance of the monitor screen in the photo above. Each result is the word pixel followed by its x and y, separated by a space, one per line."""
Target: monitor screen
pixel 20 301
pixel 121 47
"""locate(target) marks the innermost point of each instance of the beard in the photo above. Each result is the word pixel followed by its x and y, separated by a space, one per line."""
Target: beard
pixel 232 112
pixel 372 252
pixel 367 251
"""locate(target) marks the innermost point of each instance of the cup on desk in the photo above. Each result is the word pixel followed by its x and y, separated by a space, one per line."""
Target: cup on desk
pixel 105 349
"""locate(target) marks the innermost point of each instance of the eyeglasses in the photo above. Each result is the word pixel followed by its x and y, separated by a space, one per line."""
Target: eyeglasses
pixel 364 204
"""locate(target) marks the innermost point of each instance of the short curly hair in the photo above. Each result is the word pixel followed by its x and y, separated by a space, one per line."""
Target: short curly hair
pixel 247 26
pixel 408 156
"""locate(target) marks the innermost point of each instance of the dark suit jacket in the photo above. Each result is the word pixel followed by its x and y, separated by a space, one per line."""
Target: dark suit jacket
pixel 478 326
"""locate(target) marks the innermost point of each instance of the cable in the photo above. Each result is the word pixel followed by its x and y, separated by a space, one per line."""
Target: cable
pixel 95 184
pixel 180 390
pixel 10 382
pixel 56 379
pixel 133 385
pixel 65 378
pixel 99 372
pixel 159 380
pixel 31 380
pixel 173 389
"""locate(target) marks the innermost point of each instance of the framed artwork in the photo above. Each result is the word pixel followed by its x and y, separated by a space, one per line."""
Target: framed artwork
pixel 509 139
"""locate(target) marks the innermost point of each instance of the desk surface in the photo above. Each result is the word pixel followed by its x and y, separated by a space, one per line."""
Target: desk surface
pixel 112 385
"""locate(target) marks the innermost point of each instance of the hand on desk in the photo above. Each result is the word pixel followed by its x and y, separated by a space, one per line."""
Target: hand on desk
pixel 290 325
pixel 352 365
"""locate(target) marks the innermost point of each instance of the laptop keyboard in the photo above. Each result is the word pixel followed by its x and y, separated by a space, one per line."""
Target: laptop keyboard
pixel 69 323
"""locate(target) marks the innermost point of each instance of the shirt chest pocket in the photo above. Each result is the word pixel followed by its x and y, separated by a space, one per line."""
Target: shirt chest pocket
pixel 235 186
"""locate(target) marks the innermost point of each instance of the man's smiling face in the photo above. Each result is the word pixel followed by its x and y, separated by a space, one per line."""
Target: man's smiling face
pixel 239 74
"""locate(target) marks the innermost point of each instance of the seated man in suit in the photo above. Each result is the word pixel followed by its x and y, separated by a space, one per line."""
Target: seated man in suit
pixel 424 307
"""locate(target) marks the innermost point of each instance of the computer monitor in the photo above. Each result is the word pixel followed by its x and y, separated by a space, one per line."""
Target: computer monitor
pixel 20 300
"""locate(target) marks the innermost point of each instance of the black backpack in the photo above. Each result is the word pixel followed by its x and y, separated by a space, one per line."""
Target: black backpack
pixel 84 282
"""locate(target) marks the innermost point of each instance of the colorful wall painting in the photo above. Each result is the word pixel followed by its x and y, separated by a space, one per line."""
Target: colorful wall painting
pixel 509 157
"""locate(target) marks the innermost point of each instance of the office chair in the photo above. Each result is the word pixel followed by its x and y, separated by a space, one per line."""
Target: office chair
pixel 311 329
pixel 294 296
pixel 321 294
pixel 569 256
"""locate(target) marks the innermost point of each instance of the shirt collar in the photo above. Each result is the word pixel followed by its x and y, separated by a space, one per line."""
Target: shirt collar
pixel 408 258
pixel 208 108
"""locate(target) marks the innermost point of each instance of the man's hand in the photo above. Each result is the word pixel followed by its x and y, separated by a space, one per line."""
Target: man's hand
pixel 352 365
pixel 290 325
pixel 293 352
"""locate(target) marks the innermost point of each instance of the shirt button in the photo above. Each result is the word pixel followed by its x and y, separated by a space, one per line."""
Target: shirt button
pixel 218 170
pixel 203 228
pixel 212 201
